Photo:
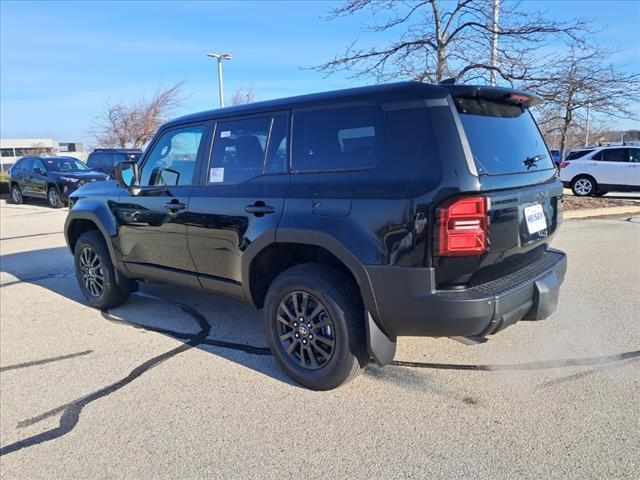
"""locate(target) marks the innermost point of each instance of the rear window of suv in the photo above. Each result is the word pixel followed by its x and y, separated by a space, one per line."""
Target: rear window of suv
pixel 503 138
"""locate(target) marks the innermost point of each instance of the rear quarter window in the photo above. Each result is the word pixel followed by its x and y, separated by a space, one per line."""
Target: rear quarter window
pixel 578 154
pixel 341 138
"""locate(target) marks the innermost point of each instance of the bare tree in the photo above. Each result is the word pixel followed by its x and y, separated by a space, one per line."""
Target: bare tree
pixel 437 40
pixel 244 94
pixel 132 126
pixel 583 83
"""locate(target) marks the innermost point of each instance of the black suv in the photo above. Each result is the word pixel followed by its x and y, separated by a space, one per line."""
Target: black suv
pixel 351 217
pixel 104 159
pixel 53 178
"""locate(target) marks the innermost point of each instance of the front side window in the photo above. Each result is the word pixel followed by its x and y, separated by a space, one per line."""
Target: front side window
pixel 351 138
pixel 634 155
pixel 239 149
pixel 173 158
pixel 615 155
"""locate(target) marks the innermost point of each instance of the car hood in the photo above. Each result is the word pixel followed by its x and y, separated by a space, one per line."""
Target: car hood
pixel 92 175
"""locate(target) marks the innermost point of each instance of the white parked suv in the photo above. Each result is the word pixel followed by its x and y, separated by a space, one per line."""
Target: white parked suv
pixel 601 170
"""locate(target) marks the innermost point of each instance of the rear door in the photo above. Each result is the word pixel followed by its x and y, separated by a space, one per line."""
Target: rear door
pixel 153 231
pixel 240 197
pixel 38 179
pixel 20 173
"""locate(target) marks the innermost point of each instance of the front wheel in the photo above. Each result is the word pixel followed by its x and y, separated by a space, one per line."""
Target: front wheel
pixel 54 198
pixel 16 195
pixel 583 186
pixel 95 272
pixel 314 320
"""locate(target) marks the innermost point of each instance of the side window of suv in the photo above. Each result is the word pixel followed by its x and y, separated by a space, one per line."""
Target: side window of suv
pixel 101 160
pixel 634 155
pixel 615 155
pixel 350 138
pixel 173 158
pixel 239 149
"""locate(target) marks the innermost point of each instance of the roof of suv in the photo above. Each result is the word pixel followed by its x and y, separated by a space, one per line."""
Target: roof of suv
pixel 390 92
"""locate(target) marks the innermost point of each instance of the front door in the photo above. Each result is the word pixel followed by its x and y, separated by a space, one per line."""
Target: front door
pixel 152 229
pixel 241 198
pixel 633 169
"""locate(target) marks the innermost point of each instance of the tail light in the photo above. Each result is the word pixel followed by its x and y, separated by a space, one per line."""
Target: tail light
pixel 463 228
pixel 564 164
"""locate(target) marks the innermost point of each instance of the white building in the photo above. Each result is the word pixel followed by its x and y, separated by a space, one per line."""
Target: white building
pixel 13 148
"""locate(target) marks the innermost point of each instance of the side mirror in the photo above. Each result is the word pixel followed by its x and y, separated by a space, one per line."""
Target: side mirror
pixel 127 175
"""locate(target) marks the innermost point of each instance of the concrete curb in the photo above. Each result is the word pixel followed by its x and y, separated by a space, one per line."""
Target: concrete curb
pixel 601 212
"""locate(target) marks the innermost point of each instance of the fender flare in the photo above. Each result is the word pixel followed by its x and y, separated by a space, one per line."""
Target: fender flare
pixel 314 238
pixel 101 216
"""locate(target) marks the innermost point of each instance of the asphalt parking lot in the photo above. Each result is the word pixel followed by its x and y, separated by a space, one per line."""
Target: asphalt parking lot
pixel 178 383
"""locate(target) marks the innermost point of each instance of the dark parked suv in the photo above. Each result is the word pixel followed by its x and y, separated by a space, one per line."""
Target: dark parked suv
pixel 351 217
pixel 53 178
pixel 104 159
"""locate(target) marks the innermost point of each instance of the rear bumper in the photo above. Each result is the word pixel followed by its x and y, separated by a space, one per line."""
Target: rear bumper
pixel 408 305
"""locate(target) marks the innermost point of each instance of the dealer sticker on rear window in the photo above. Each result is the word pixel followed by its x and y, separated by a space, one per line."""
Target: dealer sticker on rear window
pixel 536 221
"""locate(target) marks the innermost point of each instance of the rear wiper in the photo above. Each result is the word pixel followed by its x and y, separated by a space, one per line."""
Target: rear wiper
pixel 531 161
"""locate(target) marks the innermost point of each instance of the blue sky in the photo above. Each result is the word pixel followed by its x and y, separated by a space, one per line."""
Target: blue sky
pixel 61 61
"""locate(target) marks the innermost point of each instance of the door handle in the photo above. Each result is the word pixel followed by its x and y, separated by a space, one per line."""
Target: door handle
pixel 175 206
pixel 259 209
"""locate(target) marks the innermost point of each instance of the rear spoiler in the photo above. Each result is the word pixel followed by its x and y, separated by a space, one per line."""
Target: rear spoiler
pixel 507 95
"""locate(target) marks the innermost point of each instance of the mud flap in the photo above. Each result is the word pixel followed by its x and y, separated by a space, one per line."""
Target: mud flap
pixel 382 349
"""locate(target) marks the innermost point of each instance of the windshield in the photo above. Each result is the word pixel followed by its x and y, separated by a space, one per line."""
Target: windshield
pixel 503 138
pixel 64 164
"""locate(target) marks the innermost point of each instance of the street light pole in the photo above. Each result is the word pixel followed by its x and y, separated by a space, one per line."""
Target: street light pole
pixel 220 57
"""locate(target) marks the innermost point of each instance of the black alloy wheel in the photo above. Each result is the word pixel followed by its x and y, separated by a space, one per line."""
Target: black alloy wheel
pixel 305 330
pixel 92 273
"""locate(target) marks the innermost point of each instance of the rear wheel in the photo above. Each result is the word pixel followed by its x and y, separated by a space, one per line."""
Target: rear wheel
pixel 314 320
pixel 95 272
pixel 53 196
pixel 583 186
pixel 16 195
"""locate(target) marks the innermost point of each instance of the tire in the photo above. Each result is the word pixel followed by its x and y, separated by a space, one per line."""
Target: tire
pixel 97 279
pixel 584 186
pixel 53 197
pixel 339 348
pixel 16 195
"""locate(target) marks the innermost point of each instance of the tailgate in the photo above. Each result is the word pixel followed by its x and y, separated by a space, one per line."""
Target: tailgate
pixel 516 177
